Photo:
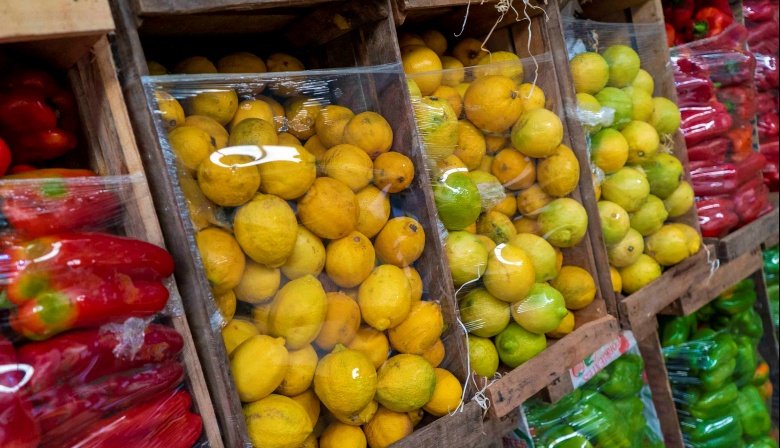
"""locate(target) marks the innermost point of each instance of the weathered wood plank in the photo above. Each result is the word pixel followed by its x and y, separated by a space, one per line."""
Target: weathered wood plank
pixel 54 19
pixel 762 230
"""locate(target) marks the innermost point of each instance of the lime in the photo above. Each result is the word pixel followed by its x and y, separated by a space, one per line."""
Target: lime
pixel 668 246
pixel 680 201
pixel 590 72
pixel 666 116
pixel 563 222
pixel 482 314
pixel 664 175
pixel 614 222
pixel 642 141
pixel 650 217
pixel 457 200
pixel 516 345
pixel 627 188
pixel 542 254
pixel 467 256
pixel 542 311
pixel 640 274
pixel 620 102
pixel 623 65
pixel 483 356
pixel 627 251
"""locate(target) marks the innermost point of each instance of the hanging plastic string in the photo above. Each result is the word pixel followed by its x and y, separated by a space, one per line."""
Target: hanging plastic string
pixel 714 263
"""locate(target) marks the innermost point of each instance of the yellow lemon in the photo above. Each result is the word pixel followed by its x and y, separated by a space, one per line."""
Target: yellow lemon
pixel 345 381
pixel 387 427
pixel 277 422
pixel 329 209
pixel 420 330
pixel 316 148
pixel 643 142
pixel 447 395
pixel 241 62
pixel 483 315
pixel 280 120
pixel 358 418
pixel 626 251
pixel 416 416
pixel 155 68
pixel 330 124
pixel 496 226
pixel 471 145
pixel 466 255
pixel 435 41
pixel 281 62
pixel 374 207
pixel 566 327
pixel 642 101
pixel 501 63
pixel 310 403
pixel 691 235
pixel 195 65
pixel 310 442
pixel 219 105
pixel 668 246
pixel 340 435
pixel 640 274
pixel 542 254
pixel 435 354
pixel 406 39
pixel 493 104
pixel 300 372
pixel 451 96
pixel 393 172
pixel 258 366
pixel 559 174
pixel 191 145
pixel 532 200
pixel 438 127
pixel 449 165
pixel 589 111
pixel 222 258
pixel 228 180
pixel 418 59
pixel 350 260
pixel 495 143
pixel 590 72
pixel 260 314
pixel 483 356
pixel 415 282
pixel 510 274
pixel 342 321
pixel 563 222
pixel 576 285
pixel 258 283
pixel 385 297
pixel 527 225
pixel 219 136
pixel 609 150
pixel 370 132
pixel 301 113
pixel 372 343
pixel 298 312
pixel 405 383
pixel 680 201
pixel 469 52
pixel 400 242
pixel 462 88
pixel 532 96
pixel 453 73
pixel 487 242
pixel 414 91
pixel 253 132
pixel 226 304
pixel 508 206
pixel 253 109
pixel 348 164
pixel 171 112
pixel 537 133
pixel 617 281
pixel 286 139
pixel 236 332
pixel 514 170
pixel 266 229
pixel 307 257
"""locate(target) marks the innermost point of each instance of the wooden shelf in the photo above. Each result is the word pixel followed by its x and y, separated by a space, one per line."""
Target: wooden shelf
pixel 764 230
pixel 177 7
pixel 54 19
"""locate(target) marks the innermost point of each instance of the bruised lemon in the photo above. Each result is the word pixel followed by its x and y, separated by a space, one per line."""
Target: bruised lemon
pixel 420 330
pixel 393 172
pixel 171 112
pixel 348 164
pixel 400 242
pixel 471 145
pixel 372 343
pixel 370 132
pixel 514 170
pixel 228 180
pixel 527 225
pixel 300 372
pixel 223 261
pixel 418 59
pixel 405 382
pixel 469 52
pixel 532 200
pixel 252 109
pixel 330 124
pixel 266 229
pixel 496 226
pixel 219 105
pixel 254 382
pixel 301 113
pixel 329 209
pixel 191 145
pixel 219 136
pixel 374 207
pixel 492 103
pixel 307 257
pixel 385 297
pixel 298 312
pixel 277 421
pixel 345 381
pixel 253 132
pixel 559 174
pixel 349 260
pixel 258 283
pixel 342 321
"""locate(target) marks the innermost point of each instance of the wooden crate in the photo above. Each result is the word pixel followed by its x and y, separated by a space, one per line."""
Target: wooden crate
pixel 595 325
pixel 108 147
pixel 84 21
pixel 742 241
pixel 176 7
pixel 340 34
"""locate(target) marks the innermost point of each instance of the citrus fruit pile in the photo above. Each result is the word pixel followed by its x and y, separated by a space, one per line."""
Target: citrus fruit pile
pixel 642 184
pixel 303 235
pixel 501 178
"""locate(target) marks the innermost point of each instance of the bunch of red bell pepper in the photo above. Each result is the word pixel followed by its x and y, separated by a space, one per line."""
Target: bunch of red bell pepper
pixel 690 20
pixel 38 118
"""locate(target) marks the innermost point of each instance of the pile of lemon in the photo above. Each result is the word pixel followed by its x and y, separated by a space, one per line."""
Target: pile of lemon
pixel 502 178
pixel 639 181
pixel 312 247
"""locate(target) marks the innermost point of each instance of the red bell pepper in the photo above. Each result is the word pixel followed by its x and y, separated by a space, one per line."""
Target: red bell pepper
pixel 750 200
pixel 66 201
pixel 765 103
pixel 768 126
pixel 749 168
pixel 25 109
pixel 767 72
pixel 704 121
pixel 758 10
pixel 713 150
pixel 741 142
pixel 740 101
pixel 678 13
pixel 63 411
pixel 708 22
pixel 19 169
pixel 5 157
pixel 693 90
pixel 81 299
pixel 670 35
pixel 18 428
pixel 762 31
pixel 716 217
pixel 80 357
pixel 30 78
pixel 766 47
pixel 146 423
pixel 30 269
pixel 721 5
pixel 713 180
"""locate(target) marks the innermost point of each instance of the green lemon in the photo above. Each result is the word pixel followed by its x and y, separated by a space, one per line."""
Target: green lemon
pixel 628 188
pixel 627 251
pixel 666 117
pixel 680 201
pixel 457 200
pixel 642 101
pixel 623 64
pixel 542 254
pixel 483 356
pixel 482 314
pixel 620 102
pixel 542 311
pixel 664 175
pixel 563 222
pixel 516 345
pixel 467 256
pixel 615 222
pixel 638 275
pixel 650 217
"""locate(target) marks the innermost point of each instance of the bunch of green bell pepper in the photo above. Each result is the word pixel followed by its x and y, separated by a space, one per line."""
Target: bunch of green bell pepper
pixel 772 273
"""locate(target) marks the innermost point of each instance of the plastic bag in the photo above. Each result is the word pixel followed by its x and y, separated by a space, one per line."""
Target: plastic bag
pixel 718 119
pixel 91 361
pixel 614 408
pixel 643 197
pixel 312 223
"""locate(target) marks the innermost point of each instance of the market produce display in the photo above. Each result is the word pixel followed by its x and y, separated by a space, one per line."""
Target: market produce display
pixel 314 252
pixel 639 182
pixel 502 182
pixel 719 382
pixel 717 96
pixel 614 409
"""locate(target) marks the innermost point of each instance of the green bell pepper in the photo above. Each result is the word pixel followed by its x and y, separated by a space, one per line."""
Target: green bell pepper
pixel 625 377
pixel 703 333
pixel 564 436
pixel 715 378
pixel 544 416
pixel 763 442
pixel 632 410
pixel 746 361
pixel 748 323
pixel 721 349
pixel 715 404
pixel 611 429
pixel 753 413
pixel 705 313
pixel 772 262
pixel 731 440
pixel 675 330
pixel 713 429
pixel 735 302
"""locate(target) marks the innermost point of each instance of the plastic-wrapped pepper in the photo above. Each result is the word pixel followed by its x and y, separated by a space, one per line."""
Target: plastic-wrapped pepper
pixel 693 89
pixel 632 409
pixel 767 71
pixel 753 413
pixel 741 142
pixel 716 216
pixel 761 32
pixel 758 10
pixel 740 101
pixel 732 67
pixel 714 180
pixel 601 422
pixel 625 377
pixel 761 374
pixel 708 22
pixel 745 368
pixel 750 200
pixel 763 442
pixel 713 430
pixel 675 330
pixel 772 263
pixel 765 102
pixel 543 416
pixel 749 167
pixel 670 35
pixel 733 302
pixel 721 5
pixel 715 404
pixel 562 436
pixel 768 126
pixel 748 323
pixel 713 150
pixel 18 428
pixel 704 121
pixel 704 313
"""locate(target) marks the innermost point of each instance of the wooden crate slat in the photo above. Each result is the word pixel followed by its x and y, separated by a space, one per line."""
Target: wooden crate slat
pixel 173 7
pixel 762 230
pixel 54 19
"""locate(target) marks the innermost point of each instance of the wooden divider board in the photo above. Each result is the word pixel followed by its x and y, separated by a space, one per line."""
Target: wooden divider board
pixel 176 7
pixel 54 19
pixel 747 238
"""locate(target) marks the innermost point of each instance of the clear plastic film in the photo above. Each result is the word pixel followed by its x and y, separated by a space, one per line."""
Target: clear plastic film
pixel 716 83
pixel 310 214
pixel 631 126
pixel 505 186
pixel 614 408
pixel 87 357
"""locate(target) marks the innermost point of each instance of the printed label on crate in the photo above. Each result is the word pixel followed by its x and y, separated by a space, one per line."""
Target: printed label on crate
pixel 585 370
